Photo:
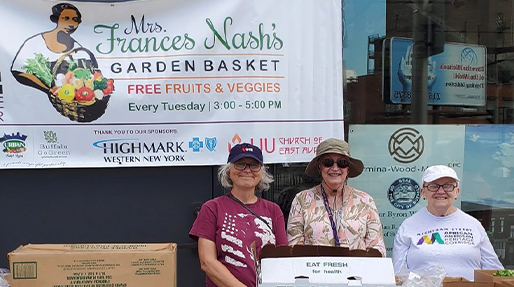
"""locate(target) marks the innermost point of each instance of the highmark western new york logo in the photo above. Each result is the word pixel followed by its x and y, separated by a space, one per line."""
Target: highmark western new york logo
pixel 406 145
pixel 121 150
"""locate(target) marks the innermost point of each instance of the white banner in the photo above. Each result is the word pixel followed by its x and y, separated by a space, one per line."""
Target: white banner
pixel 162 82
pixel 395 158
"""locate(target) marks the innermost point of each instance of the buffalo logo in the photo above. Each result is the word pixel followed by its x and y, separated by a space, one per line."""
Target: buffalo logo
pixel 404 193
pixel 50 136
pixel 210 143
pixel 406 145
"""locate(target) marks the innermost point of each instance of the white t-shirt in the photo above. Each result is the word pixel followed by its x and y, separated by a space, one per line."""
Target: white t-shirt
pixel 458 242
pixel 31 46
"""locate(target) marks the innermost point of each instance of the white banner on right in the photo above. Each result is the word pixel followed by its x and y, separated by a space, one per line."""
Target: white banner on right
pixel 395 157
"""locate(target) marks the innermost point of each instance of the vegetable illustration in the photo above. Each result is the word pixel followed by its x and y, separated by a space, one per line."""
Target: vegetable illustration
pixel 84 94
pixel 74 84
pixel 66 93
pixel 110 87
pixel 82 73
pixel 68 77
pixel 100 84
pixel 39 67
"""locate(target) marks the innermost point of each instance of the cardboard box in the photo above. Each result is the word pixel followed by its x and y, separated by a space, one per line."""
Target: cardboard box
pixel 487 276
pixel 453 281
pixel 94 265
pixel 316 266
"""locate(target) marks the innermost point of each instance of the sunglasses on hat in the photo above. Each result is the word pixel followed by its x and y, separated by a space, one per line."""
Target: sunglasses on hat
pixel 329 162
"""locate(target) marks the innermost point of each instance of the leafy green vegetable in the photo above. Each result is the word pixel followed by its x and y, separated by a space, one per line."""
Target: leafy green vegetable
pixel 100 85
pixel 504 272
pixel 71 65
pixel 40 67
pixel 82 73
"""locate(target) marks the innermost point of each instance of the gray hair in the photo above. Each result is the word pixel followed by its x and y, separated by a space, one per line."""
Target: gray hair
pixel 224 178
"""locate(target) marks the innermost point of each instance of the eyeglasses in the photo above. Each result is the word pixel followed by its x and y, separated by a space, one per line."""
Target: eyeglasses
pixel 434 187
pixel 242 166
pixel 329 162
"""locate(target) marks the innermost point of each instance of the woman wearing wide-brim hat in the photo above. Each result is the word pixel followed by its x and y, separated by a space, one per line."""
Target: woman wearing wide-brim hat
pixel 334 213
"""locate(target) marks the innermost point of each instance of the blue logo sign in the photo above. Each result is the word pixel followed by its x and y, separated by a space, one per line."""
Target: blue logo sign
pixel 196 144
pixel 211 143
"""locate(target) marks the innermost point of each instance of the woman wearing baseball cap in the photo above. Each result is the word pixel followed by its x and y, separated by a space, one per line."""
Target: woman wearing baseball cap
pixel 442 234
pixel 228 227
pixel 334 213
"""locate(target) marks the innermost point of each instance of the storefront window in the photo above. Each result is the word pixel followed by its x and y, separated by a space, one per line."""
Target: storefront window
pixel 433 80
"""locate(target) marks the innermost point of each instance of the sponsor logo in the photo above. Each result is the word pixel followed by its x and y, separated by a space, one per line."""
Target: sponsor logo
pixel 52 148
pixel 13 143
pixel 50 136
pixel 196 144
pixel 266 145
pixel 436 238
pixel 134 146
pixel 406 145
pixel 210 143
pixel 404 193
pixel 133 151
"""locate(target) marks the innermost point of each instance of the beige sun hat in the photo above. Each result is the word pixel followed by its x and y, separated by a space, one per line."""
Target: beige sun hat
pixel 338 146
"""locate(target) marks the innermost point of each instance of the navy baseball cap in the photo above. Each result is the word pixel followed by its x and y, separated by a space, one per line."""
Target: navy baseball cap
pixel 243 150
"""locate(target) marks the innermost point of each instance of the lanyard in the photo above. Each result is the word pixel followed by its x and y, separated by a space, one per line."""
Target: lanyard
pixel 330 216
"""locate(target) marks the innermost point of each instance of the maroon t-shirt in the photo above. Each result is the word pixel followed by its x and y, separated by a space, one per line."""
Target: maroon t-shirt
pixel 233 229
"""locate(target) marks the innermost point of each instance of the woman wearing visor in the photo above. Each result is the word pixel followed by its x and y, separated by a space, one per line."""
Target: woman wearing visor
pixel 441 234
pixel 334 213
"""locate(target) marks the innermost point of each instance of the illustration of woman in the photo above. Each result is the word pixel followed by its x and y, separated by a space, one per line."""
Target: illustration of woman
pixel 47 45
pixel 47 62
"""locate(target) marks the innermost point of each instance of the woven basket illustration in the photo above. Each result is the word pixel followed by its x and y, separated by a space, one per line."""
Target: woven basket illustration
pixel 79 90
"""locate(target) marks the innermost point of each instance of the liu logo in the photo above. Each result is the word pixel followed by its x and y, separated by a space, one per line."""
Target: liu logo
pixel 406 145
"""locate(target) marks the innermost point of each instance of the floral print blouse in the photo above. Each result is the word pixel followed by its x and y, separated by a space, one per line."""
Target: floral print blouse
pixel 358 223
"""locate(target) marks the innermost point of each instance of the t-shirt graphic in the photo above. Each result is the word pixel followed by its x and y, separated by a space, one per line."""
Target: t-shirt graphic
pixel 449 236
pixel 234 231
